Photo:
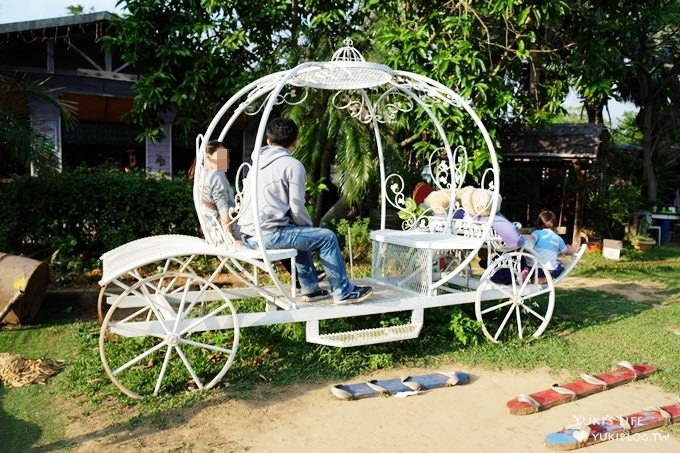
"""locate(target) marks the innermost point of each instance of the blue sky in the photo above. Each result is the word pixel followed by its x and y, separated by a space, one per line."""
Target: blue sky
pixel 616 109
pixel 21 10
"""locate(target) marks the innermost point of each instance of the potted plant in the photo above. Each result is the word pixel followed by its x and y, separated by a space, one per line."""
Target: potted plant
pixel 642 241
pixel 592 239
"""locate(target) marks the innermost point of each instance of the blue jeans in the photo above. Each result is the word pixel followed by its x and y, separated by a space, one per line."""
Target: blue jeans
pixel 305 239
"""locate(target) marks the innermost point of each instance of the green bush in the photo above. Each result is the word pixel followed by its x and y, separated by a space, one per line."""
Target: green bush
pixel 360 238
pixel 466 330
pixel 612 207
pixel 71 219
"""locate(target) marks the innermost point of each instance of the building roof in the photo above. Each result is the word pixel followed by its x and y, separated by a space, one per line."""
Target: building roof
pixel 63 47
pixel 557 142
pixel 55 22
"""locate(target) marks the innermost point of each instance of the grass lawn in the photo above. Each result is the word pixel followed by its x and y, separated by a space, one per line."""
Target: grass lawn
pixel 590 330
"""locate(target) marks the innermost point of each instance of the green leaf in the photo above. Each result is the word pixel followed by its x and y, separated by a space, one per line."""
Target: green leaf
pixel 524 15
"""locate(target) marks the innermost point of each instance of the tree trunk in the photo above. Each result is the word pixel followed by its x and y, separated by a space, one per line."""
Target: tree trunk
pixel 645 122
pixel 324 172
pixel 594 112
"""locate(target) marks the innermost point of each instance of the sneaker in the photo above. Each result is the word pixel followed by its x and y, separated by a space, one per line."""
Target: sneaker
pixel 358 294
pixel 319 294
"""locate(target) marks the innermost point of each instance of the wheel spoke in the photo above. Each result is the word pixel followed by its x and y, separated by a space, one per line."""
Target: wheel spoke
pixel 161 375
pixel 201 319
pixel 190 369
pixel 519 322
pixel 497 306
pixel 194 302
pixel 205 346
pixel 137 359
pixel 171 284
pixel 152 304
pixel 533 312
pixel 526 281
pixel 539 292
pixel 134 315
pixel 505 320
pixel 180 309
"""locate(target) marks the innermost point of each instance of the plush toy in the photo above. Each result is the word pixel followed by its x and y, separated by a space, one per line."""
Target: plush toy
pixel 482 200
pixel 477 202
pixel 464 198
pixel 439 201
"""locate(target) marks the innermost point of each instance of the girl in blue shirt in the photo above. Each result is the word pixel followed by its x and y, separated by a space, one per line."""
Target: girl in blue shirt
pixel 548 245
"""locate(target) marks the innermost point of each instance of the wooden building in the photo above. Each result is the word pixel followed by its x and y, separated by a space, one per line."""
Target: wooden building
pixel 65 53
pixel 546 168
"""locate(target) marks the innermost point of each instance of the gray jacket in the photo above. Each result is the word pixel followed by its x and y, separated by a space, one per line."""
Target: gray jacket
pixel 218 191
pixel 280 193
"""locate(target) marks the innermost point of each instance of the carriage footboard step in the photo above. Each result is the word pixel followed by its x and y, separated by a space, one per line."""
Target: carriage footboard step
pixel 363 337
pixel 394 386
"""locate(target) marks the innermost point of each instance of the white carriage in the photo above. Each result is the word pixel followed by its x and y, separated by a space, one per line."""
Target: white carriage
pixel 164 318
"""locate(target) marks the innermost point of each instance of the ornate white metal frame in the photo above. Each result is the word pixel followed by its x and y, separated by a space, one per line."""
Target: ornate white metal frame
pixel 425 264
pixel 373 94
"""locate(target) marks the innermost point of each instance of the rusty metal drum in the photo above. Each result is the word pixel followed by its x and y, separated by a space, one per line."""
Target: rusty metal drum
pixel 23 283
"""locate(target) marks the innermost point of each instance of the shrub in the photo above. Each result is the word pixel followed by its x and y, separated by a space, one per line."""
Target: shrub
pixel 464 328
pixel 611 207
pixel 71 219
pixel 360 240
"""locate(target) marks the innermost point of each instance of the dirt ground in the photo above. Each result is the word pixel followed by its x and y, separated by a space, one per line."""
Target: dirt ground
pixel 468 417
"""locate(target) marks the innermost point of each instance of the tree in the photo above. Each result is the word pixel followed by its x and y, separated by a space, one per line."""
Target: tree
pixel 630 50
pixel 329 136
pixel 652 81
pixel 190 58
pixel 513 60
pixel 593 60
pixel 503 56
pixel 74 10
pixel 19 141
pixel 193 55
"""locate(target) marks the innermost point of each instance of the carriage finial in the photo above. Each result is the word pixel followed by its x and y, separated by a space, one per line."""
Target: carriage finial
pixel 347 52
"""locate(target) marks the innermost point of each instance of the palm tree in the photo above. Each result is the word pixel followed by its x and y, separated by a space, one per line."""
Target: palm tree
pixel 20 143
pixel 331 137
pixel 325 139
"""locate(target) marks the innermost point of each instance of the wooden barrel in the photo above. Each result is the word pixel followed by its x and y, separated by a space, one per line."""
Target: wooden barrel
pixel 23 282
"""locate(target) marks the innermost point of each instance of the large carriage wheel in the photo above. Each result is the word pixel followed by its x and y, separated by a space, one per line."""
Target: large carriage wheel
pixel 111 291
pixel 152 340
pixel 517 307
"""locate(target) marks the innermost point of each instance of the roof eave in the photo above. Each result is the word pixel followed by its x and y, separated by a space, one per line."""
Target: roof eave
pixel 55 22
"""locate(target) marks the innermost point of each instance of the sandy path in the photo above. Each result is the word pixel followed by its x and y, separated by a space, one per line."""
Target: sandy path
pixel 464 418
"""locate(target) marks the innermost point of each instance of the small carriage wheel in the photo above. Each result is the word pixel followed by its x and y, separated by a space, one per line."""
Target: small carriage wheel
pixel 110 291
pixel 522 307
pixel 152 340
